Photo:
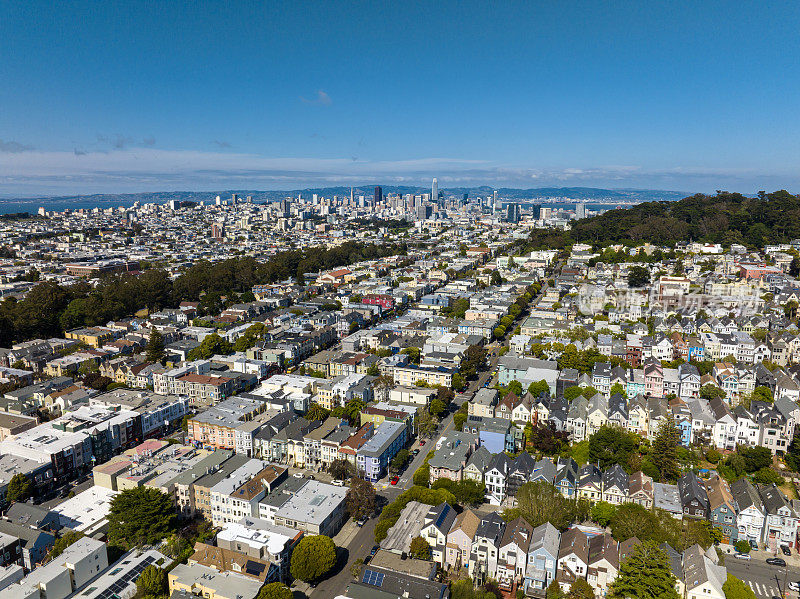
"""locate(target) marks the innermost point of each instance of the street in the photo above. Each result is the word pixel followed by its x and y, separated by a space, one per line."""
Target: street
pixel 765 580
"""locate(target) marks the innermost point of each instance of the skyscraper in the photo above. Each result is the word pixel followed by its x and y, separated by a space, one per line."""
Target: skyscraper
pixel 435 190
pixel 512 212
pixel 580 210
pixel 378 195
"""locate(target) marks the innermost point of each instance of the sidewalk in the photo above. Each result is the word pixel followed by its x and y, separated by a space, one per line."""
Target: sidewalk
pixel 345 536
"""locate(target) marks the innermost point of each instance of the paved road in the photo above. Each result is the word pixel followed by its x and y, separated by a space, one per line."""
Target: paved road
pixel 765 580
pixel 359 547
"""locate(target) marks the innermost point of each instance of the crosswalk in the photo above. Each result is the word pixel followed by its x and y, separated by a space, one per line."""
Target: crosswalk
pixel 764 591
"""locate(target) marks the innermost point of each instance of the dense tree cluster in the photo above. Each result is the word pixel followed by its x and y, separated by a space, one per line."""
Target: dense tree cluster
pixel 49 308
pixel 722 218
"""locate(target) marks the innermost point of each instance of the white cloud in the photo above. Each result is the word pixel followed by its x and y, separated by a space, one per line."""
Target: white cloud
pixel 320 99
pixel 153 169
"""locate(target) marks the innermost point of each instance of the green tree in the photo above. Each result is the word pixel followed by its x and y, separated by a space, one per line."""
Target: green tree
pixel 458 383
pixel 755 458
pixel 399 461
pixel 140 516
pixel 539 502
pixel 709 391
pixel 792 458
pixel 554 591
pixel 665 451
pixel 742 546
pixel 152 582
pixel 360 498
pixel 466 492
pixel 580 589
pixel 317 412
pixel 420 548
pixel 427 423
pixel 736 589
pixel 538 387
pixel 768 476
pixel 155 346
pixel 340 469
pixel 633 520
pixel 638 276
pixel 275 590
pixel 602 512
pixel 313 557
pixel 20 488
pixel 211 345
pixel 617 388
pixel 515 387
pixel 612 445
pixel 645 574
pixel 437 407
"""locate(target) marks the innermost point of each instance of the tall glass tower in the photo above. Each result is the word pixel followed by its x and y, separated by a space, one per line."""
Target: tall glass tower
pixel 435 190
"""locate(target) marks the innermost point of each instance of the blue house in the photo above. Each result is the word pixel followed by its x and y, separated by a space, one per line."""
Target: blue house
pixel 373 458
pixel 542 559
pixel 495 434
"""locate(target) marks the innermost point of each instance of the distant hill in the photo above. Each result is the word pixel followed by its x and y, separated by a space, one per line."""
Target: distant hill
pixel 589 194
pixel 723 218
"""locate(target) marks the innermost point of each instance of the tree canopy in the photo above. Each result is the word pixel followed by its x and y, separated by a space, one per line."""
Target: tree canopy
pixel 20 488
pixel 645 574
pixel 736 589
pixel 360 498
pixel 140 516
pixel 152 583
pixel 313 558
pixel 612 445
pixel 275 590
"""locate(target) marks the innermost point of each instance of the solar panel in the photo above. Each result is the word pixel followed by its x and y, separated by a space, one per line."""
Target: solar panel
pixel 442 516
pixel 372 578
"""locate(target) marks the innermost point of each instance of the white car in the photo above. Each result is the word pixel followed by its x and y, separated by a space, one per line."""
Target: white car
pixel 298 475
pixel 744 556
pixel 337 483
pixel 794 586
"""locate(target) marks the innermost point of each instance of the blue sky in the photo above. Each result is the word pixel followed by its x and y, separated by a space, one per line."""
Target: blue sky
pixel 134 96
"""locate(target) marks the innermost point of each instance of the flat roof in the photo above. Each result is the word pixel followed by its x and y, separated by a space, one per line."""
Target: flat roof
pixel 229 584
pixel 313 502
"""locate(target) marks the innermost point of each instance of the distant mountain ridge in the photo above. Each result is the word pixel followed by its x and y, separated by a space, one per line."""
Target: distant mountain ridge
pixel 574 193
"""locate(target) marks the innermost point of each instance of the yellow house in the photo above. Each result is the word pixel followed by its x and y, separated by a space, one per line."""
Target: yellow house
pixel 94 336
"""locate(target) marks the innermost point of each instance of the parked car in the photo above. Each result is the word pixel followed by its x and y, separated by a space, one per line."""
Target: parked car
pixel 298 475
pixel 753 545
pixel 422 442
pixel 786 550
pixel 394 480
pixel 338 483
pixel 415 453
pixel 374 549
pixel 794 586
pixel 744 556
pixel 777 561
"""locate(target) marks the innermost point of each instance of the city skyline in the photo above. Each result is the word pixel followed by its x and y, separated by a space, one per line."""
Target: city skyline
pixel 120 98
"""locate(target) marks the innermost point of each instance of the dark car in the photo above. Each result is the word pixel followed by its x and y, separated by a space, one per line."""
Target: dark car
pixel 777 561
pixel 753 545
pixel 786 550
pixel 374 549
